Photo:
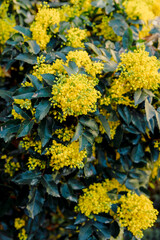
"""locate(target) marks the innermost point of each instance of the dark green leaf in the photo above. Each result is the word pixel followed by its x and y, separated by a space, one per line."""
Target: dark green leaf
pixel 25 128
pixel 115 229
pixel 24 93
pixel 80 219
pixel 45 131
pixel 49 78
pixel 103 229
pixel 34 47
pixel 94 48
pixel 127 38
pixel 23 30
pixel 88 122
pixel 139 96
pixel 42 109
pixel 21 112
pixel 28 58
pixel 69 70
pixel 43 92
pixel 6 95
pixel 75 184
pixel 137 153
pixel 150 111
pixel 85 232
pixel 50 186
pixel 67 193
pixel 78 132
pixel 35 81
pixel 36 201
pixel 89 170
pixel 8 128
pixel 105 124
pixel 28 177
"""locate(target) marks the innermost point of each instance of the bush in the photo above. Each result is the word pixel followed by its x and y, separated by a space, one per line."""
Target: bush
pixel 80 119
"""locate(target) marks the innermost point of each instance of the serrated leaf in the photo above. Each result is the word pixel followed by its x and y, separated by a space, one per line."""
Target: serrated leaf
pixel 85 232
pixel 36 201
pixel 42 109
pixel 105 124
pixel 6 95
pixel 21 112
pixel 8 128
pixel 27 57
pixel 25 128
pixel 45 131
pixel 88 122
pixel 43 92
pixel 66 193
pixel 24 93
pixel 50 185
pixel 28 177
pixel 34 47
pixel 78 132
pixel 139 96
pixel 93 47
pixel 127 39
pixel 150 111
pixel 49 78
pixel 35 81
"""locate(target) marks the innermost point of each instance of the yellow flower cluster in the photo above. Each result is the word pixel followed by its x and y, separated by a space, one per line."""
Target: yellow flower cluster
pixel 134 76
pixel 75 95
pixel 17 116
pixel 33 163
pixel 40 28
pixel 28 142
pixel 75 36
pixel 64 156
pixel 83 5
pixel 65 134
pixel 22 234
pixel 10 166
pixel 95 198
pixel 19 223
pixel 6 23
pixel 24 103
pixel 136 213
pixel 145 10
pixel 82 59
pixel 103 29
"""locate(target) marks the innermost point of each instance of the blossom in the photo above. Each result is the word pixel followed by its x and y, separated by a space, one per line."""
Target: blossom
pixel 19 223
pixel 75 95
pixel 75 37
pixel 136 213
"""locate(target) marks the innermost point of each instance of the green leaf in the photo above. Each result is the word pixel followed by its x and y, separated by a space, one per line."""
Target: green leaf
pixel 127 39
pixel 25 128
pixel 73 66
pixel 119 25
pixel 21 112
pixel 105 124
pixel 27 57
pixel 67 193
pixel 34 47
pixel 89 170
pixel 94 48
pixel 124 112
pixel 137 153
pixel 83 142
pixel 28 177
pixel 69 70
pixel 35 81
pixel 80 219
pixel 36 201
pixel 8 128
pixel 42 109
pixel 158 118
pixel 103 229
pixel 85 232
pixel 150 111
pixel 78 132
pixel 49 78
pixel 109 66
pixel 139 96
pixel 50 186
pixel 6 95
pixel 75 184
pixel 24 93
pixel 23 30
pixel 115 229
pixel 90 123
pixel 43 92
pixel 45 131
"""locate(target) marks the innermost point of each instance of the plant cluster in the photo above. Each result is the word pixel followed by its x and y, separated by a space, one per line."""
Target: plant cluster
pixel 79 119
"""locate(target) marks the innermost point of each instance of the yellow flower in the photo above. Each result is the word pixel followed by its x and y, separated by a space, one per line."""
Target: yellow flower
pixel 24 103
pixel 75 37
pixel 136 213
pixel 95 198
pixel 40 28
pixel 19 223
pixel 10 166
pixel 75 95
pixel 17 116
pixel 6 23
pixel 134 76
pixel 65 134
pixel 64 156
pixel 22 234
pixel 34 162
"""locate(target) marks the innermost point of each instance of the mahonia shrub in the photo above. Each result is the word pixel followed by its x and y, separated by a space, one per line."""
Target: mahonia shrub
pixel 79 119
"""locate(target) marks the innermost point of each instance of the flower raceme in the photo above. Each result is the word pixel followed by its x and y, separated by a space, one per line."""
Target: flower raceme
pixel 134 212
pixel 74 95
pixel 133 76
